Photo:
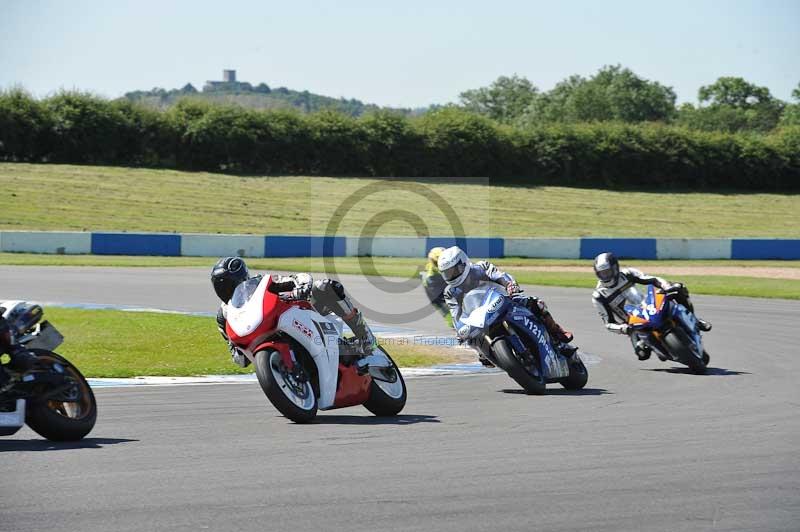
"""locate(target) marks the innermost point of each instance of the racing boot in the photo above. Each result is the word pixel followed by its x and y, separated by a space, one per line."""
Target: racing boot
pixel 570 352
pixel 22 360
pixel 642 350
pixel 365 341
pixel 556 330
pixel 703 325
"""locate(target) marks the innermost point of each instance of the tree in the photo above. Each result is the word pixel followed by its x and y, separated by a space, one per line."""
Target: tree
pixel 614 93
pixel 504 100
pixel 791 113
pixel 733 104
pixel 735 92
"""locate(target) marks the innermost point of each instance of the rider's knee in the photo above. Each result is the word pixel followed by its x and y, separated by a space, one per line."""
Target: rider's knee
pixel 327 289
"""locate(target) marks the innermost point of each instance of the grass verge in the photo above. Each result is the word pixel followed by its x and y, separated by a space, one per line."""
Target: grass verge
pixel 111 343
pixel 86 198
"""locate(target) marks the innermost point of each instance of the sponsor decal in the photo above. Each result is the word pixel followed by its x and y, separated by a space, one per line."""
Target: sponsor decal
pixel 303 329
pixel 496 304
pixel 328 328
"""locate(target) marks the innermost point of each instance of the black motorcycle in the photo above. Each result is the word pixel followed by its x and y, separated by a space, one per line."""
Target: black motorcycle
pixel 38 386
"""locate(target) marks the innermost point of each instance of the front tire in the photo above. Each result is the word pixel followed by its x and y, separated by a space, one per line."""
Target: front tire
pixel 511 365
pixel 385 398
pixel 577 378
pixel 678 343
pixel 63 420
pixel 293 398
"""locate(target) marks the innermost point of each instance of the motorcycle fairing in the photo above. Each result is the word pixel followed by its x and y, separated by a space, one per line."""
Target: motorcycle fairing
pixel 655 309
pixel 554 366
pixel 322 343
pixel 493 304
pixel 245 320
pixel 689 322
pixel 649 312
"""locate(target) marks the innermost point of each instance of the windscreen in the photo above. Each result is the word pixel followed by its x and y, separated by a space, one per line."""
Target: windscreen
pixel 474 299
pixel 244 292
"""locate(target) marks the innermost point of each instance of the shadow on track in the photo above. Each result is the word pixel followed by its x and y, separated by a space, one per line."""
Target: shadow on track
pixel 710 372
pixel 410 419
pixel 46 445
pixel 562 391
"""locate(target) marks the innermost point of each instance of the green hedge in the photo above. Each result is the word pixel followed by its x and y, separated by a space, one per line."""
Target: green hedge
pixel 450 142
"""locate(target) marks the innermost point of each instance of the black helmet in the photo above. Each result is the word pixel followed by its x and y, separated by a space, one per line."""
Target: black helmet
pixel 227 274
pixel 606 268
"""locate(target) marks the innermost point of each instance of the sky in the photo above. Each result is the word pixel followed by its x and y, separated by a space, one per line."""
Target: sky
pixel 407 53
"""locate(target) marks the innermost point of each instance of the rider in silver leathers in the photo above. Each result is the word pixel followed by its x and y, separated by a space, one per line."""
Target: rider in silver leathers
pixel 617 287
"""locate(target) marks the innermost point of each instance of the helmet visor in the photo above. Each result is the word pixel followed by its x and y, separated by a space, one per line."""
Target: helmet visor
pixel 607 273
pixel 453 271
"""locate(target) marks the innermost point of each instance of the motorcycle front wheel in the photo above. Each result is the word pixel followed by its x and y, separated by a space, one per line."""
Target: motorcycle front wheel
pixel 288 391
pixel 509 362
pixel 69 415
pixel 679 345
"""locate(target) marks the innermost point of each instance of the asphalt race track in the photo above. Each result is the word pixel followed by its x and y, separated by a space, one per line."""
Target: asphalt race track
pixel 646 446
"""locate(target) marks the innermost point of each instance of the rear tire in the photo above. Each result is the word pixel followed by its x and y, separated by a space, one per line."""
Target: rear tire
pixel 63 421
pixel 270 371
pixel 578 376
pixel 380 402
pixel 511 365
pixel 678 343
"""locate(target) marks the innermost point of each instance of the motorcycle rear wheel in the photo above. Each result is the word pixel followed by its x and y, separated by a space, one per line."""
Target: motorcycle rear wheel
pixel 577 378
pixel 63 420
pixel 508 361
pixel 387 399
pixel 295 400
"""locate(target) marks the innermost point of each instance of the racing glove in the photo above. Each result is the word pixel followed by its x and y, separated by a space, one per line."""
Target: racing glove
pixel 618 328
pixel 513 288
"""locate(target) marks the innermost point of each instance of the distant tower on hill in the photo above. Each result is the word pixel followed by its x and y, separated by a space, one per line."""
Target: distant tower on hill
pixel 228 81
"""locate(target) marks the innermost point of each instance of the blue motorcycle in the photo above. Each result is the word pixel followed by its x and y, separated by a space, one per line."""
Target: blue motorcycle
pixel 520 343
pixel 670 329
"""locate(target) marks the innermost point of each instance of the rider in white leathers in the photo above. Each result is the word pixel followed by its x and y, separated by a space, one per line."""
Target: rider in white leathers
pixel 325 295
pixel 617 287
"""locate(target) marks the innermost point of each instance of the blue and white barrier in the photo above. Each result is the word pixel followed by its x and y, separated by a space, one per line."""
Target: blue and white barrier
pixel 200 245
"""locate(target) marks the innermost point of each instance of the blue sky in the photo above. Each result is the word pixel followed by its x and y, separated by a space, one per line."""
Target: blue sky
pixel 409 53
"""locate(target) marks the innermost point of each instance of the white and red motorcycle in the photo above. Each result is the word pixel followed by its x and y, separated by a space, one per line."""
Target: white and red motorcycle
pixel 302 361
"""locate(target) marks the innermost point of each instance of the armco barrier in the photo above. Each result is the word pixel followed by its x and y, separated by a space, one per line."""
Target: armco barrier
pixel 165 244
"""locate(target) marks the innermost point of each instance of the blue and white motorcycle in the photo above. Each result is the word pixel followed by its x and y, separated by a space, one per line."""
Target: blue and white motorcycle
pixel 519 341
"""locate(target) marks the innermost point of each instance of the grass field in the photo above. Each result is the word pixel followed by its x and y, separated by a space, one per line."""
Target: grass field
pixel 111 343
pixel 85 198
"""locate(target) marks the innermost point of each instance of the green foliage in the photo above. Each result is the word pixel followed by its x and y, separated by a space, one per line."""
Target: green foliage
pixel 80 128
pixel 504 100
pixel 246 95
pixel 613 94
pixel 24 127
pixel 732 104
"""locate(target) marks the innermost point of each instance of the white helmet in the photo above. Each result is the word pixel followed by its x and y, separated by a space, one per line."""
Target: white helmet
pixel 454 265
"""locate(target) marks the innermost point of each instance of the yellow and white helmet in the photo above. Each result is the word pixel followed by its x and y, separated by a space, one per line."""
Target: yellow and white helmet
pixel 433 256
